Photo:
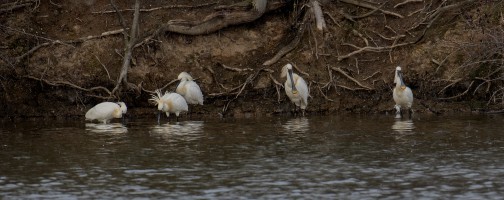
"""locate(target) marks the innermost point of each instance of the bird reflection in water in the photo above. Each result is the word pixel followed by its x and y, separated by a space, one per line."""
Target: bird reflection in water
pixel 299 125
pixel 187 130
pixel 115 128
pixel 403 126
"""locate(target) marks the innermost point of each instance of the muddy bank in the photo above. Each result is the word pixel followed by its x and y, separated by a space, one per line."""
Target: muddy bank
pixel 451 55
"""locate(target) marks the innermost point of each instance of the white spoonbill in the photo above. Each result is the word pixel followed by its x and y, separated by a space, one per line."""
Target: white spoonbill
pixel 169 103
pixel 105 111
pixel 189 89
pixel 295 87
pixel 403 96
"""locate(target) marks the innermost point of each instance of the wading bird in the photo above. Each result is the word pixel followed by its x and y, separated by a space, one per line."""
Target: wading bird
pixel 189 89
pixel 403 96
pixel 295 87
pixel 105 111
pixel 169 103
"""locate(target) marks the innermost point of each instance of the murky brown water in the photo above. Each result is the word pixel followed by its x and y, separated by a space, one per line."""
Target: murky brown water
pixel 328 157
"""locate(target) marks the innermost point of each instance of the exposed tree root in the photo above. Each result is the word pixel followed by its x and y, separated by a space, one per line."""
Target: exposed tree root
pixel 161 88
pixel 157 8
pixel 432 16
pixel 459 95
pixel 215 21
pixel 104 67
pixel 249 79
pixel 324 95
pixel 355 18
pixel 351 78
pixel 369 49
pixel 407 1
pixel 369 6
pixel 286 49
pixel 66 83
pixel 235 69
pixel 278 85
pixel 299 70
pixel 449 85
pixel 429 108
pixel 372 75
pixel 316 12
pixel 8 7
pixel 53 42
pixel 494 98
pixel 123 76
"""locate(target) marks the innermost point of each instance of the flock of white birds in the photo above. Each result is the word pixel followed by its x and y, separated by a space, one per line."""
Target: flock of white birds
pixel 188 92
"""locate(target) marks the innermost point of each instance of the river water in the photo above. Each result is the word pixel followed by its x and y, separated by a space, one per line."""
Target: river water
pixel 317 157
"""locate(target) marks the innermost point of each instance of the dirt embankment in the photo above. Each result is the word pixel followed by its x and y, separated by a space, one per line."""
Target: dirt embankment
pixel 451 53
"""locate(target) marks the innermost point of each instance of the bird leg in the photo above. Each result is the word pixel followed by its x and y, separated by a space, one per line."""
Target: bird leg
pixel 410 112
pixel 159 117
pixel 168 116
pixel 398 111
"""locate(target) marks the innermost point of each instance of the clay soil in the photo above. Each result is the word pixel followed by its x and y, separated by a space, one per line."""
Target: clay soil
pixel 61 79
